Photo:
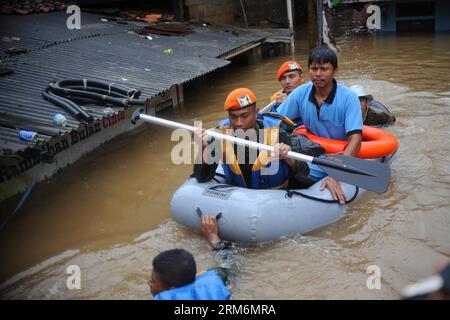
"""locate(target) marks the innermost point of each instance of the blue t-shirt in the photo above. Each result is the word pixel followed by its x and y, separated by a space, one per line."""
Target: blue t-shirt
pixel 207 286
pixel 339 116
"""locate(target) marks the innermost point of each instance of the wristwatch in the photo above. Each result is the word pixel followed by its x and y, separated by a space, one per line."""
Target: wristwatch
pixel 221 245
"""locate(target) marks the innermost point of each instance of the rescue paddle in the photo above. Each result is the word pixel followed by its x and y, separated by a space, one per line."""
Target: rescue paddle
pixel 268 107
pixel 367 174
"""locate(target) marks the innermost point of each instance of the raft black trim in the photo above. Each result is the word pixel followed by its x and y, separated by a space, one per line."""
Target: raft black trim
pixel 216 180
pixel 220 175
pixel 290 193
pixel 222 185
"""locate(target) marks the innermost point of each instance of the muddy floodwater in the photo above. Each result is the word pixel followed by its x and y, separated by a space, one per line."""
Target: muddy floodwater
pixel 109 212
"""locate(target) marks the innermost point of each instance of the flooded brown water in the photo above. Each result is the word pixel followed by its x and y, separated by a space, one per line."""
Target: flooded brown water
pixel 109 213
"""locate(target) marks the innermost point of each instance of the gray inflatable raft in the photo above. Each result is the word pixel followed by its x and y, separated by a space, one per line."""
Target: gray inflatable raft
pixel 252 216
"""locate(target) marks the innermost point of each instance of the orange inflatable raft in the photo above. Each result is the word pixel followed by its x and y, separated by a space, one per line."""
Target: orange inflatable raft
pixel 377 143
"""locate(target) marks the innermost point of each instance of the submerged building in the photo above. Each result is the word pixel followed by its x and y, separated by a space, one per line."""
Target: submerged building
pixel 395 15
pixel 157 60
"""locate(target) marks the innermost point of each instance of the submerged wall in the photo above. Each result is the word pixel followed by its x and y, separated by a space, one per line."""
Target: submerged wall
pixel 442 22
pixel 396 16
pixel 211 11
pixel 262 13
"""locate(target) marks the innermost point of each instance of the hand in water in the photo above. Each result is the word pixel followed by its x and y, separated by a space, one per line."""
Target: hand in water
pixel 210 229
pixel 403 123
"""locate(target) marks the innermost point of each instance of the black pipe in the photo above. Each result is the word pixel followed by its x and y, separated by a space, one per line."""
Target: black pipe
pixel 120 101
pixel 121 89
pixel 96 90
pixel 63 93
pixel 68 105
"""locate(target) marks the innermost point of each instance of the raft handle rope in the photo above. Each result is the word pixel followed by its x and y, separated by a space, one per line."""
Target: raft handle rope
pixel 290 193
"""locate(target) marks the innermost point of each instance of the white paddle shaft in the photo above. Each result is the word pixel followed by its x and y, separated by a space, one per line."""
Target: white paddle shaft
pixel 268 107
pixel 211 133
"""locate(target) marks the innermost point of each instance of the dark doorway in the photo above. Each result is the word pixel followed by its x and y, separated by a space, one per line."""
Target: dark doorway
pixel 415 17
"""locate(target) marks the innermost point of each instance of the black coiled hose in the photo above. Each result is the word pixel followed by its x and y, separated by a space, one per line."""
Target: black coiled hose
pixel 90 91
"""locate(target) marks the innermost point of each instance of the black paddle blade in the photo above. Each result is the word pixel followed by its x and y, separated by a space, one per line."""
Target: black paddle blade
pixel 367 174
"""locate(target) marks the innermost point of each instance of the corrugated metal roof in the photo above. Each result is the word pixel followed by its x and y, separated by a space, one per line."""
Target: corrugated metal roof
pixel 101 51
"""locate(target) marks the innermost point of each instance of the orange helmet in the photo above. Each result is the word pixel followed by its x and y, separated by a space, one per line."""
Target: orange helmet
pixel 288 66
pixel 239 98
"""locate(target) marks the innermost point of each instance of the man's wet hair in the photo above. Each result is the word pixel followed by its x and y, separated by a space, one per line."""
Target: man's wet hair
pixel 323 55
pixel 175 267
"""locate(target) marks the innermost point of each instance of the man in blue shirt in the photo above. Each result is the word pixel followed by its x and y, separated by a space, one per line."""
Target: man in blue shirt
pixel 328 110
pixel 174 275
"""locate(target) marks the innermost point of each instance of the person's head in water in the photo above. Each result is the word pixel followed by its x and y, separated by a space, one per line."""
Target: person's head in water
pixel 172 269
pixel 323 66
pixel 241 107
pixel 363 97
pixel 290 76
